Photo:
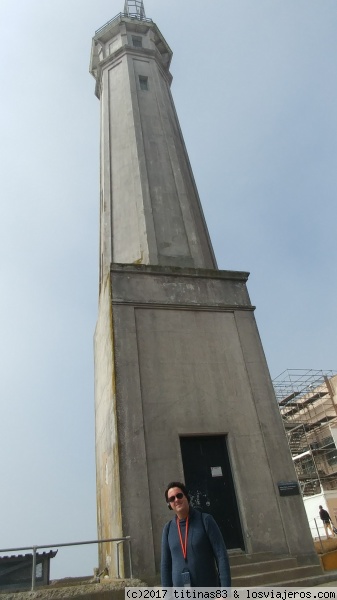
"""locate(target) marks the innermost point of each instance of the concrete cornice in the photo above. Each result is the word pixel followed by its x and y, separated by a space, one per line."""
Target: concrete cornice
pixel 180 306
pixel 180 272
pixel 146 286
pixel 138 26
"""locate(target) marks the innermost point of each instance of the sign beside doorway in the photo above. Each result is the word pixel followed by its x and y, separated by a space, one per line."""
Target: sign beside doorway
pixel 216 471
pixel 288 488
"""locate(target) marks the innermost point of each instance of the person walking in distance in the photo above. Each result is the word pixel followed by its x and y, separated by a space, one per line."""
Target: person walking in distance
pixel 193 552
pixel 326 521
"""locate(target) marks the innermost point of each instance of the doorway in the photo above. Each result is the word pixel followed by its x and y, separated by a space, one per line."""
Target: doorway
pixel 208 478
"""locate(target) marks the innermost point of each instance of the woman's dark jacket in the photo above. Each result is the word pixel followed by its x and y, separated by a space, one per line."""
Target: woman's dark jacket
pixel 207 558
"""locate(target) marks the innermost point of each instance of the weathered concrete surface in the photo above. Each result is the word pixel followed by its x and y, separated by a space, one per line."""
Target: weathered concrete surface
pixel 107 458
pixel 189 361
pixel 150 208
pixel 109 590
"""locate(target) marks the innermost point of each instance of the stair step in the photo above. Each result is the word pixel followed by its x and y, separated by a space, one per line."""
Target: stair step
pixel 266 566
pixel 276 577
pixel 314 581
pixel 241 558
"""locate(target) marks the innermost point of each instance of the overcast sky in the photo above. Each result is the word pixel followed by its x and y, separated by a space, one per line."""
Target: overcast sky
pixel 256 94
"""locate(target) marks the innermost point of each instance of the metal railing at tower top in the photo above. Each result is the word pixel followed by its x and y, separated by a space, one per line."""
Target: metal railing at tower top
pixel 132 16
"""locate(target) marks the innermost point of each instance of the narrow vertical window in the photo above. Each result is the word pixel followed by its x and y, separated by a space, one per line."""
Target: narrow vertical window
pixel 143 82
pixel 137 41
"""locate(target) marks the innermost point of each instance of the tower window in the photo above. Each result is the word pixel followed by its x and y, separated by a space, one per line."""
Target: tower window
pixel 143 82
pixel 137 41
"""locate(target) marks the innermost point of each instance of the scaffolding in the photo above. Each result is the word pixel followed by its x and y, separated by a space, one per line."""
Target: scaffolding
pixel 307 400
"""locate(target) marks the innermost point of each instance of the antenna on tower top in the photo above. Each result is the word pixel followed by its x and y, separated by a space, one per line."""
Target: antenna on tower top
pixel 134 8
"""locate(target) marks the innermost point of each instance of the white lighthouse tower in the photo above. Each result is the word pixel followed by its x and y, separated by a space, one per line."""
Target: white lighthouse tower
pixel 182 388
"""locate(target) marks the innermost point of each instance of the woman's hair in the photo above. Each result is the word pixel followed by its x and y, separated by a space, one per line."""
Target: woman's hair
pixel 179 485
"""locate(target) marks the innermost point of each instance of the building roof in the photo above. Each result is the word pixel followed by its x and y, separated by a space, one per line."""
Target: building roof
pixel 22 557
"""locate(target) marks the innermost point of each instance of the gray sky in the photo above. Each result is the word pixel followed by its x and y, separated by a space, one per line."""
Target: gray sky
pixel 256 93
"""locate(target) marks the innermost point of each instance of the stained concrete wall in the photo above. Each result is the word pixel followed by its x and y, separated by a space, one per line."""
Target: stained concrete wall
pixel 109 516
pixel 150 208
pixel 189 360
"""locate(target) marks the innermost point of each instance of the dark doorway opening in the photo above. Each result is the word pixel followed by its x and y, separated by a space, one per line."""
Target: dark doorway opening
pixel 208 478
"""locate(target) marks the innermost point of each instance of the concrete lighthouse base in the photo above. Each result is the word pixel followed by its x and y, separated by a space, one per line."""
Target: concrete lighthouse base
pixel 181 384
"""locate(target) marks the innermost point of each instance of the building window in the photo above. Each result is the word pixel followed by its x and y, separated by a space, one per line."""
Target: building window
pixel 137 41
pixel 39 571
pixel 115 43
pixel 143 82
pixel 331 457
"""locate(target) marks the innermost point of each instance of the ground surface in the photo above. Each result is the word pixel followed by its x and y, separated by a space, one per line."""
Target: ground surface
pixel 75 589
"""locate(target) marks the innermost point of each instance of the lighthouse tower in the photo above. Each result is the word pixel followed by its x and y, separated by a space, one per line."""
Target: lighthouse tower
pixel 182 388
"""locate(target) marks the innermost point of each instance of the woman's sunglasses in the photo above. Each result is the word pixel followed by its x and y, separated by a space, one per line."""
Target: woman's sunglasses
pixel 178 496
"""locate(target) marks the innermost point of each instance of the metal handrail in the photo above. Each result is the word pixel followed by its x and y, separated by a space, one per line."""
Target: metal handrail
pixel 123 16
pixel 35 548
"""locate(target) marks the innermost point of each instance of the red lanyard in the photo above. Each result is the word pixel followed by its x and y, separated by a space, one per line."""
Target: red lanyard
pixel 183 546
